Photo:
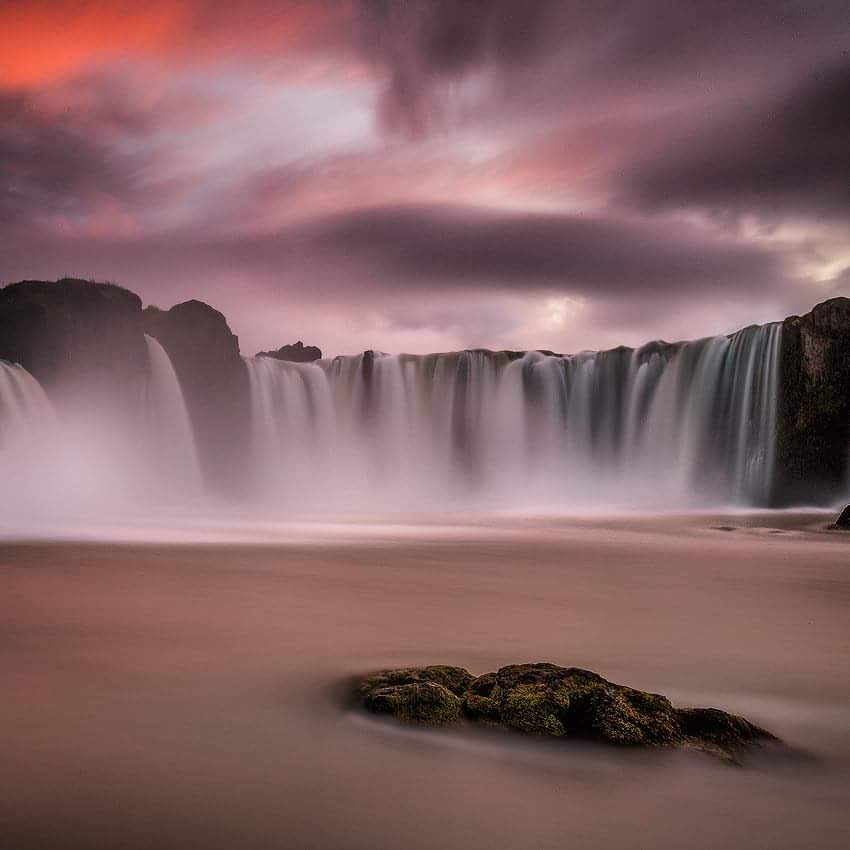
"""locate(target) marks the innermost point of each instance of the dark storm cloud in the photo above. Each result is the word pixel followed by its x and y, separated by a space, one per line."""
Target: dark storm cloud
pixel 429 248
pixel 423 43
pixel 465 247
pixel 75 152
pixel 727 106
pixel 612 43
pixel 791 154
pixel 316 153
pixel 48 166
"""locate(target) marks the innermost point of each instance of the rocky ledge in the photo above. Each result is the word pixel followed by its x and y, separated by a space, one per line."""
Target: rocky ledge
pixel 559 702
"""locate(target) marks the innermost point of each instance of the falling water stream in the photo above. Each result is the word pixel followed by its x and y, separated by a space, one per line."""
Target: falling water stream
pixel 25 414
pixel 660 426
pixel 663 424
pixel 169 429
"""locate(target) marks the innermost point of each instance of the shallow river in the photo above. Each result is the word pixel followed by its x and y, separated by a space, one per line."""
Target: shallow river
pixel 192 696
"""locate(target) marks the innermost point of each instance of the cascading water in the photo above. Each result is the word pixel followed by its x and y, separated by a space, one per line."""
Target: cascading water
pixel 84 459
pixel 28 443
pixel 169 430
pixel 660 426
pixel 664 425
pixel 26 416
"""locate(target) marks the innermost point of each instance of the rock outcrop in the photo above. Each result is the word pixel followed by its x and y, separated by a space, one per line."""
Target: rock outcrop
pixel 843 521
pixel 212 374
pixel 74 331
pixel 558 702
pixel 813 416
pixel 295 353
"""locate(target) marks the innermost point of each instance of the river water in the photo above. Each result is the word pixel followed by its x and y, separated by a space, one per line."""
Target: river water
pixel 193 696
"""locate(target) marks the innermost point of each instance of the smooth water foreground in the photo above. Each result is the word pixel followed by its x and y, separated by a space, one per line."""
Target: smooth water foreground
pixel 193 696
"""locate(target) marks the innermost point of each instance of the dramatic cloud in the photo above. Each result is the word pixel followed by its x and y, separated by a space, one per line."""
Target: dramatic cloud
pixel 51 167
pixel 415 173
pixel 789 156
pixel 42 41
pixel 425 45
pixel 462 247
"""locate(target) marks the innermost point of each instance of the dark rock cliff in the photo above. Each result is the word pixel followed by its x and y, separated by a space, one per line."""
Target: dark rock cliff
pixel 73 330
pixel 75 333
pixel 813 417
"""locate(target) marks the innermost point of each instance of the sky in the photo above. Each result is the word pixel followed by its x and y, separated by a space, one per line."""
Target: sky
pixel 427 176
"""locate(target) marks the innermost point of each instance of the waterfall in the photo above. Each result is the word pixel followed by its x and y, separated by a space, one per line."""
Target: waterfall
pixel 168 428
pixel 25 415
pixel 29 445
pixel 666 425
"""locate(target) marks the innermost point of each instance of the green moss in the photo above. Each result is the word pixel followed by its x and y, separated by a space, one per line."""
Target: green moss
pixel 530 708
pixel 456 679
pixel 477 706
pixel 426 703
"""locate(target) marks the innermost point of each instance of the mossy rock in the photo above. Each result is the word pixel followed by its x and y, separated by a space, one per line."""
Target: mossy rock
pixel 425 703
pixel 712 729
pixel 560 702
pixel 429 696
pixel 454 679
pixel 546 699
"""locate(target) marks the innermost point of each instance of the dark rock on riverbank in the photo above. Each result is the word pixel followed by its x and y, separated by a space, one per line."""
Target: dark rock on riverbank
pixel 843 521
pixel 553 701
pixel 295 353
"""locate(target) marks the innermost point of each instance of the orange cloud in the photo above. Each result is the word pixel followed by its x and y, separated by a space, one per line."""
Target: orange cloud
pixel 42 41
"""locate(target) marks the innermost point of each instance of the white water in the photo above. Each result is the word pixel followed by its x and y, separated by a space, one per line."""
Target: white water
pixel 662 425
pixel 27 425
pixel 88 461
pixel 172 443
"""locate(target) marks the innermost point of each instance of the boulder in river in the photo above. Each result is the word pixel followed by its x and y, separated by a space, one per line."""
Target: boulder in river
pixel 560 702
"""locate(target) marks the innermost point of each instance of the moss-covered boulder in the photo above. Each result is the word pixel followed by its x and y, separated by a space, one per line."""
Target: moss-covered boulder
pixel 425 695
pixel 552 700
pixel 559 702
pixel 717 731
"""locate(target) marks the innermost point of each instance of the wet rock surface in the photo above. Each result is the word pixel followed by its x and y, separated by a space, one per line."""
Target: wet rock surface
pixel 560 702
